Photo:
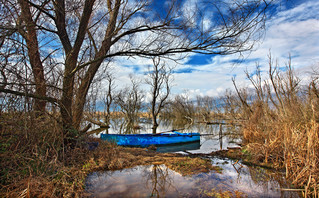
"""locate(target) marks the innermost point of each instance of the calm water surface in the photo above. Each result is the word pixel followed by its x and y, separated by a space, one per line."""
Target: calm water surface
pixel 160 181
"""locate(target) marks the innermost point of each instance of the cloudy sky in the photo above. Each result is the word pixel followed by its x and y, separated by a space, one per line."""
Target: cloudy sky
pixel 292 31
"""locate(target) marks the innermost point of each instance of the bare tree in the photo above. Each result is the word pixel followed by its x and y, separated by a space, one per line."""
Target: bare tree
pixel 108 99
pixel 207 106
pixel 183 109
pixel 129 100
pixel 73 40
pixel 159 78
pixel 230 105
pixel 257 82
pixel 285 85
pixel 26 27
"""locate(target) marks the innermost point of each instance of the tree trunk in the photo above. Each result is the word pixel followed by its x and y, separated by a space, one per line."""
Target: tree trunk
pixel 70 131
pixel 66 101
pixel 155 124
pixel 30 36
pixel 87 80
pixel 81 96
pixel 66 107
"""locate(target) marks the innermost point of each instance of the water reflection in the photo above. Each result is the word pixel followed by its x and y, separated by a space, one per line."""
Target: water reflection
pixel 214 137
pixel 160 181
pixel 191 146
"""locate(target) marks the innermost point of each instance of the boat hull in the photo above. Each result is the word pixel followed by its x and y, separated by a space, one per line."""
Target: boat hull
pixel 144 140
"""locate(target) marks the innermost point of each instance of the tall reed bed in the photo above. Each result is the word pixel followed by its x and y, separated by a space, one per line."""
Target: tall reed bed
pixel 282 123
pixel 34 161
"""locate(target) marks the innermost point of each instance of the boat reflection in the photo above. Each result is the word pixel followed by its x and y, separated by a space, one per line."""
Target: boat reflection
pixel 178 147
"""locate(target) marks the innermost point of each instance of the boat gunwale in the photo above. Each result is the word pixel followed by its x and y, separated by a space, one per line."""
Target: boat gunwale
pixel 145 140
pixel 157 134
pixel 160 145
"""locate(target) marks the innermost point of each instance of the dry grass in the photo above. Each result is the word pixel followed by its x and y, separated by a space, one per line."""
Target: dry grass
pixel 129 157
pixel 33 160
pixel 224 194
pixel 35 164
pixel 291 146
pixel 283 127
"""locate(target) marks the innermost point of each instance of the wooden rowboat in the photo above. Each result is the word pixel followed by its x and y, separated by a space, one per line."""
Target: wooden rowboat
pixel 145 140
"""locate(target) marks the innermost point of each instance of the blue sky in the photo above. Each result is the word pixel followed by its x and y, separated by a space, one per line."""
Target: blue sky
pixel 292 31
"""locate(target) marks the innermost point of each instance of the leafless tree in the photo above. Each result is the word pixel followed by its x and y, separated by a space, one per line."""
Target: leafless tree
pixel 230 105
pixel 183 109
pixel 129 100
pixel 108 99
pixel 209 107
pixel 256 80
pixel 159 78
pixel 205 107
pixel 65 42
pixel 284 85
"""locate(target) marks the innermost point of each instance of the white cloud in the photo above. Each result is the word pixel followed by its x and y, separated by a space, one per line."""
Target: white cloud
pixel 304 11
pixel 189 12
pixel 294 32
pixel 207 23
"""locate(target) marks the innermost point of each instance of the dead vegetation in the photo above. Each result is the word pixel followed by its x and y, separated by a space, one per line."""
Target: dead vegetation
pixel 281 126
pixel 34 162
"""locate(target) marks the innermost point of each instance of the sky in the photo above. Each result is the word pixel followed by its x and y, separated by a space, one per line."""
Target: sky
pixel 292 31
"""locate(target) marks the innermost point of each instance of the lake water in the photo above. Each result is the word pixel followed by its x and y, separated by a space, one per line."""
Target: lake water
pixel 214 137
pixel 160 181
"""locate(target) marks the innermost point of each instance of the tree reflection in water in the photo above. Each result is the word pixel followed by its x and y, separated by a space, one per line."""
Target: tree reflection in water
pixel 158 180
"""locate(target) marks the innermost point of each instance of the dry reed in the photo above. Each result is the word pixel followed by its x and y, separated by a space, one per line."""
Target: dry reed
pixel 283 127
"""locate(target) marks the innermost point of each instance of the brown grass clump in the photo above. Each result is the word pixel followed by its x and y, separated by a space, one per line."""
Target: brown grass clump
pixel 294 148
pixel 189 166
pixel 34 162
pixel 282 126
pixel 224 194
pixel 130 157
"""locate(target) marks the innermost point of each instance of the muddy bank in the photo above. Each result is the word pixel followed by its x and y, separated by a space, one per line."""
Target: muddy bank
pixel 112 157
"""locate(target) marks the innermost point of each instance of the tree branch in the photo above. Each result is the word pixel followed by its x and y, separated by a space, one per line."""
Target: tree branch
pixel 18 93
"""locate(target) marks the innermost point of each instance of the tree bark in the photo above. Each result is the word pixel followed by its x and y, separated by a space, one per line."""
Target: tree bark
pixel 30 36
pixel 72 52
pixel 155 124
pixel 93 68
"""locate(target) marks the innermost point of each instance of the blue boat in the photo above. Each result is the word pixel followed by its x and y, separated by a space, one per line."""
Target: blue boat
pixel 145 140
